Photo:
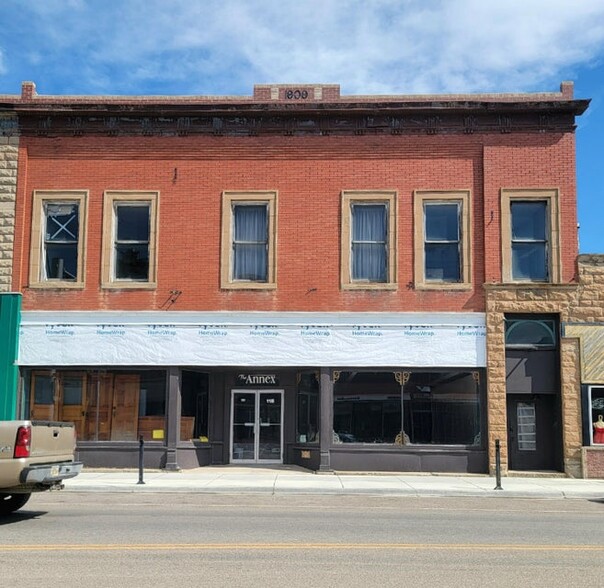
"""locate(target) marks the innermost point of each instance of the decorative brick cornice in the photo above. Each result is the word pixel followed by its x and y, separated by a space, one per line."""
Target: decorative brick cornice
pixel 324 121
pixel 307 109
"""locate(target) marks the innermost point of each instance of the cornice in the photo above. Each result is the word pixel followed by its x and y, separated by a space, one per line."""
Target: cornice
pixel 401 120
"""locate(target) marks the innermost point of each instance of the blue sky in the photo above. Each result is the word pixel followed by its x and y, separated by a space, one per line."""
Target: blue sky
pixel 367 46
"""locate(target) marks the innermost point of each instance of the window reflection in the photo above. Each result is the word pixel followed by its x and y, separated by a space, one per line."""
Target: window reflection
pixel 442 408
pixel 367 408
pixel 308 408
pixel 195 405
pixel 432 408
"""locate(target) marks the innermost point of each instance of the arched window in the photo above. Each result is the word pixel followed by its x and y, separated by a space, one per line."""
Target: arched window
pixel 540 333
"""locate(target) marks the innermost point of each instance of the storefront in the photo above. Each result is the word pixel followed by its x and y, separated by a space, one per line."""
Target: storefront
pixel 376 391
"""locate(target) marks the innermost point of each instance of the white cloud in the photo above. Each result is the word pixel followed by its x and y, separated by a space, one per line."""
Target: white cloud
pixel 380 46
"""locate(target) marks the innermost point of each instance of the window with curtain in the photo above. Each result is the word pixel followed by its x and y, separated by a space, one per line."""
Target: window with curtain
pixel 248 247
pixel 369 242
pixel 442 240
pixel 529 240
pixel 250 242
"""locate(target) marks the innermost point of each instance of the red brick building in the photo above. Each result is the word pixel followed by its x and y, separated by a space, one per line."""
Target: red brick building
pixel 295 276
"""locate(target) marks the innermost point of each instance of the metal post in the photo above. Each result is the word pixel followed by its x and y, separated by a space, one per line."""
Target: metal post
pixel 141 459
pixel 497 466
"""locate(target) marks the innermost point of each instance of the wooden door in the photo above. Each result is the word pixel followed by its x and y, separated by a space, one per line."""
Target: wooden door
pixel 126 391
pixel 73 400
pixel 99 408
pixel 43 397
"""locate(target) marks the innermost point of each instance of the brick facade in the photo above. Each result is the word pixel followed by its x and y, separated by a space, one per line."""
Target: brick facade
pixel 309 175
pixel 309 146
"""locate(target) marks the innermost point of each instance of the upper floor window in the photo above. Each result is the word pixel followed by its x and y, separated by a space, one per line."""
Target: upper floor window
pixel 529 241
pixel 369 246
pixel 129 237
pixel 248 240
pixel 368 240
pixel 131 241
pixel 442 239
pixel 530 248
pixel 57 246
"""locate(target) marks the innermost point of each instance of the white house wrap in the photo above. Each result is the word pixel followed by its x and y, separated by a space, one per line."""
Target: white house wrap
pixel 252 339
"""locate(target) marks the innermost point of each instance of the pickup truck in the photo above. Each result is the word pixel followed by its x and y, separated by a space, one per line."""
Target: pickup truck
pixel 34 456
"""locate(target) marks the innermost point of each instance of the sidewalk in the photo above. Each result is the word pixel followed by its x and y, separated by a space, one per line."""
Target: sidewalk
pixel 292 480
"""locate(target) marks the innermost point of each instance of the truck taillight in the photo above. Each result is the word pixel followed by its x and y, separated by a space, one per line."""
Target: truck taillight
pixel 23 442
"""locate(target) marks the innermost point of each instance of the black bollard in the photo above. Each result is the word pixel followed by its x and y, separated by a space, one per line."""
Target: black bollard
pixel 497 466
pixel 141 459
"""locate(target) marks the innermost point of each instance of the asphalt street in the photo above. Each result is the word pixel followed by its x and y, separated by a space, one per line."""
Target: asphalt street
pixel 186 539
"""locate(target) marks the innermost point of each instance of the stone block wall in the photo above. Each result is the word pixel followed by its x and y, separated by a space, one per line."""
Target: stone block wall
pixel 577 302
pixel 9 145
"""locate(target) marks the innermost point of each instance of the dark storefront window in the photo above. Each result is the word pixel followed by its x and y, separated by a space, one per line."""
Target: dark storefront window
pixel 104 405
pixel 152 398
pixel 442 408
pixel 194 395
pixel 436 408
pixel 308 408
pixel 367 408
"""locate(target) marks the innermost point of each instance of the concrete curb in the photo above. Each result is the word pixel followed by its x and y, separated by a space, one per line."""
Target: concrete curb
pixel 286 483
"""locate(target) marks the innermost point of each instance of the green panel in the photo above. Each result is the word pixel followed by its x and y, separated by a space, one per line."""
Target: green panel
pixel 10 318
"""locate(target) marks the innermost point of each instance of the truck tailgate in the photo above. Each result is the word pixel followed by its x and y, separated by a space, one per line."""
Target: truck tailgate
pixel 52 441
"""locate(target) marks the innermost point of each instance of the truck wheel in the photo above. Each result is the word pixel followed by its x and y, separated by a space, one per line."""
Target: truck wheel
pixel 12 502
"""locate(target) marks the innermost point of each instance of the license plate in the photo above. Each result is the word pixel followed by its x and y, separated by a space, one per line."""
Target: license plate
pixel 54 471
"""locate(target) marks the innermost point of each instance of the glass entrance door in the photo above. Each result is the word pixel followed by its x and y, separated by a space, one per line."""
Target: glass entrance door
pixel 256 426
